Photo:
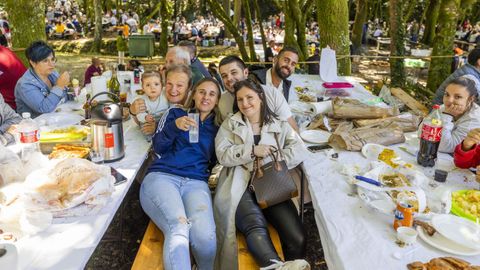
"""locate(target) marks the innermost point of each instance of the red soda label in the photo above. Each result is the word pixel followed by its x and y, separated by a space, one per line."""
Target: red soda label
pixel 109 140
pixel 433 134
pixel 29 137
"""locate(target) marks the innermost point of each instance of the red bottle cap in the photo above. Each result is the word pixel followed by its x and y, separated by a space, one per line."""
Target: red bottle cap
pixel 436 107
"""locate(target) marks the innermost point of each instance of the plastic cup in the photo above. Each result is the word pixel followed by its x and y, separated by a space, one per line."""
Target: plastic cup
pixel 96 157
pixel 193 133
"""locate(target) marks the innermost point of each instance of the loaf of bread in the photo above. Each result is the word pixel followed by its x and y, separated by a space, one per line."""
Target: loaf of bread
pixel 443 263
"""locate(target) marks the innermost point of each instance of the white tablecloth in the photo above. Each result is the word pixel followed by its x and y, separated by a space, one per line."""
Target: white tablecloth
pixel 353 235
pixel 69 242
pixel 313 82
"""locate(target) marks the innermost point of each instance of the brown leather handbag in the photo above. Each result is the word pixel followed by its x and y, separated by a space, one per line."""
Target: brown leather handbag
pixel 272 182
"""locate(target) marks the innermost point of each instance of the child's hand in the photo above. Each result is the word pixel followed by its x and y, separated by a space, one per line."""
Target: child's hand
pixel 149 118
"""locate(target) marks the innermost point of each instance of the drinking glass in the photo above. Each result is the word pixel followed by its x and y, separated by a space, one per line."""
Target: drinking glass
pixel 96 156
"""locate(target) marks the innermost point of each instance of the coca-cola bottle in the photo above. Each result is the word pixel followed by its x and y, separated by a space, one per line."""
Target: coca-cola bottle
pixel 431 133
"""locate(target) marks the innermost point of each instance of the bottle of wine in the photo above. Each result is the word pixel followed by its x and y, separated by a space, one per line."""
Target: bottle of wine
pixel 87 107
pixel 114 85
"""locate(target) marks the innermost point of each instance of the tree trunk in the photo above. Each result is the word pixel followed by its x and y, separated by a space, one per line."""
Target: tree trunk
pixel 409 10
pixel 237 11
pixel 220 13
pixel 360 19
pixel 262 31
pixel 290 26
pixel 164 11
pixel 397 47
pixel 97 39
pixel 27 20
pixel 334 14
pixel 248 20
pixel 431 21
pixel 226 7
pixel 299 13
pixel 443 43
pixel 424 12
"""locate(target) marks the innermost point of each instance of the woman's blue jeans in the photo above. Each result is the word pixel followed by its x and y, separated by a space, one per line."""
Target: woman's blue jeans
pixel 182 209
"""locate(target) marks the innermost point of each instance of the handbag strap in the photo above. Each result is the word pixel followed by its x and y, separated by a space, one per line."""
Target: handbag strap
pixel 279 149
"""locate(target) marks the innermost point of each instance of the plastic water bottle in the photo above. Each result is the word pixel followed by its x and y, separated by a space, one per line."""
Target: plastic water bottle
pixel 29 136
pixel 193 130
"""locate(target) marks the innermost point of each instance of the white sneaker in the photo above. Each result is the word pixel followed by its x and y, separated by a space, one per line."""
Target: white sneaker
pixel 289 265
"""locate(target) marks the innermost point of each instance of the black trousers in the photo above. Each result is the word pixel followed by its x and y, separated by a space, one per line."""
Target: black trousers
pixel 251 221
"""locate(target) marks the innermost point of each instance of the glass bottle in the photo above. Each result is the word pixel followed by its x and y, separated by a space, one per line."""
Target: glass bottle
pixel 114 85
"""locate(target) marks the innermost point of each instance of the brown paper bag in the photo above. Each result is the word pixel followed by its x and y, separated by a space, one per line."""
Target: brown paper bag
pixel 353 109
pixel 322 120
pixel 353 139
pixel 407 122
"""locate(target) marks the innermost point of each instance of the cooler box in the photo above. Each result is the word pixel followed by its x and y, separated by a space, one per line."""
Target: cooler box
pixel 141 45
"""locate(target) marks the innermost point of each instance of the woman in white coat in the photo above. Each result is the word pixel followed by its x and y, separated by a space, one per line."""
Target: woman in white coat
pixel 248 134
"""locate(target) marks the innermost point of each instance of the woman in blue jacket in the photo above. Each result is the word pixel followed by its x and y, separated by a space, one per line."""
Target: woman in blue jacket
pixel 175 192
pixel 41 88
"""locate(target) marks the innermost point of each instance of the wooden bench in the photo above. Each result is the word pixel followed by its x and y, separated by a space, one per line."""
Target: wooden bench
pixel 150 253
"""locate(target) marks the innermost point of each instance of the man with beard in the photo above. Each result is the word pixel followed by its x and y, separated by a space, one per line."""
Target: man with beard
pixel 233 69
pixel 283 66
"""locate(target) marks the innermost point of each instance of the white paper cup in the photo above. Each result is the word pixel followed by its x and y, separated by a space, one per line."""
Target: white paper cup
pixel 407 235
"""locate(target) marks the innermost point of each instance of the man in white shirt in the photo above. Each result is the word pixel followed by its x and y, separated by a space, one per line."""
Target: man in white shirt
pixel 283 66
pixel 232 69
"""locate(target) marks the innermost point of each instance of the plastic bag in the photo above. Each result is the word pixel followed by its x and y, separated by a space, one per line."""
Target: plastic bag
pixel 11 167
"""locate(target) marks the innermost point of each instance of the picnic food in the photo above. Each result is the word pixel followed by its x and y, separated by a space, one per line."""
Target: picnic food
pixel 443 263
pixel 396 180
pixel 72 133
pixel 430 230
pixel 387 155
pixel 61 151
pixel 68 180
pixel 467 202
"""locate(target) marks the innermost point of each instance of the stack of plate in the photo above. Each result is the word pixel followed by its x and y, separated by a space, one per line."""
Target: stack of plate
pixel 315 136
pixel 454 235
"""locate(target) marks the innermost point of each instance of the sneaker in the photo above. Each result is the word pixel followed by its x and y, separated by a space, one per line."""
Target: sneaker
pixel 289 265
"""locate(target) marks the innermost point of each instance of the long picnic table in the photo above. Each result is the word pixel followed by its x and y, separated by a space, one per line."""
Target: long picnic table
pixel 68 243
pixel 353 234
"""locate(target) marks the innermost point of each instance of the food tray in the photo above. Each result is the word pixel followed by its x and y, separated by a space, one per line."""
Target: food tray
pixel 47 147
pixel 457 209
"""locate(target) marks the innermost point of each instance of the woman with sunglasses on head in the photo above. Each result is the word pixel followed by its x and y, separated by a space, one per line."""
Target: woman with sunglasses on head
pixel 250 133
pixel 175 193
pixel 41 88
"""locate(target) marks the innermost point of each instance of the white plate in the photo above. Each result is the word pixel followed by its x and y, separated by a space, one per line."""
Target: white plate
pixel 372 150
pixel 315 136
pixel 442 243
pixel 458 230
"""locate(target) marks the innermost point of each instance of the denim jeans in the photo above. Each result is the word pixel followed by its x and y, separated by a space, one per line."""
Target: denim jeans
pixel 182 209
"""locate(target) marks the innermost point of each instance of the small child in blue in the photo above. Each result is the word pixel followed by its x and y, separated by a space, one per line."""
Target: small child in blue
pixel 155 100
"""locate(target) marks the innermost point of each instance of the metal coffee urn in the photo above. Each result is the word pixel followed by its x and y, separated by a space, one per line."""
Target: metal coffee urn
pixel 107 128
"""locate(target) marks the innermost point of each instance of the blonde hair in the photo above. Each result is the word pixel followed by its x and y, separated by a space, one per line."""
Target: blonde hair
pixel 190 103
pixel 150 74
